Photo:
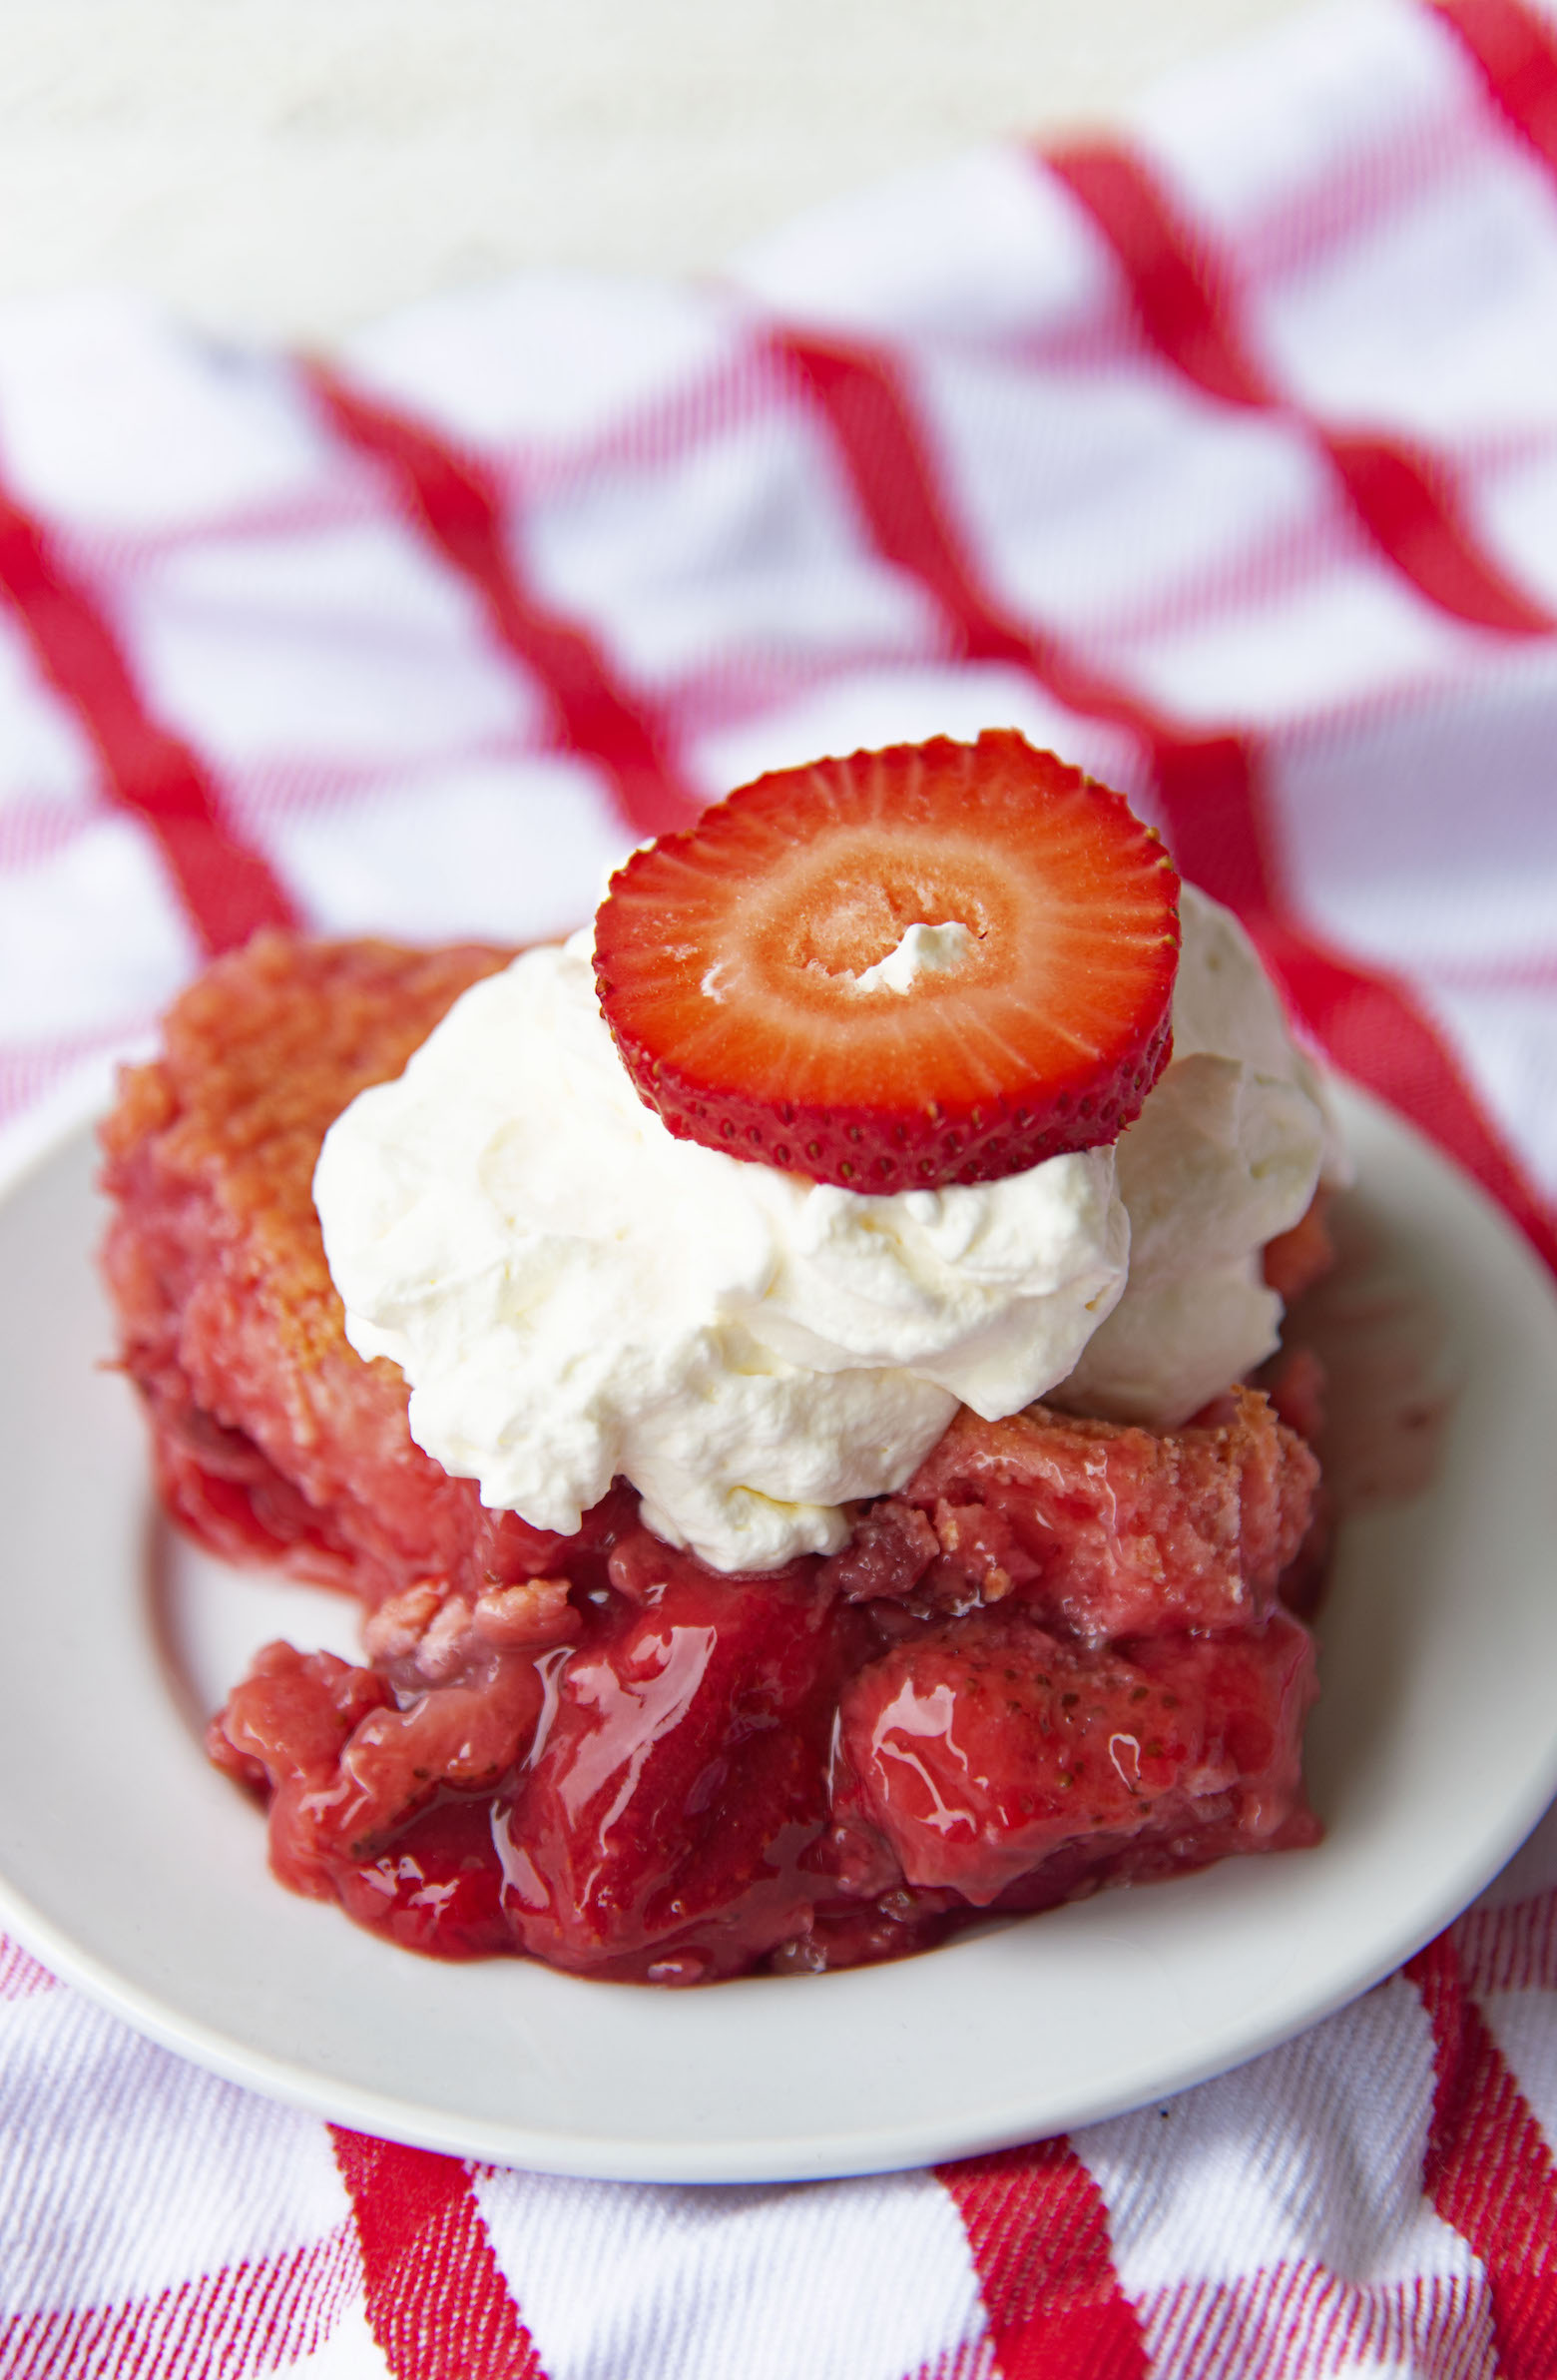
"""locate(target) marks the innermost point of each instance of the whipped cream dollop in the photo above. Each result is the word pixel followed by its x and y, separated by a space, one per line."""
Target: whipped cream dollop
pixel 573 1293
pixel 1225 1153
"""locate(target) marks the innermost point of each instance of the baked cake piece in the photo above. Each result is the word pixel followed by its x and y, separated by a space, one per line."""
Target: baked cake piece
pixel 1055 1659
pixel 270 1436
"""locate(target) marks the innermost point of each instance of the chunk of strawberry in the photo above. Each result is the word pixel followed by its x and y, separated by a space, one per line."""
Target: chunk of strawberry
pixel 438 1886
pixel 291 1716
pixel 1253 1690
pixel 682 1779
pixel 463 1736
pixel 739 967
pixel 988 1748
pixel 345 1768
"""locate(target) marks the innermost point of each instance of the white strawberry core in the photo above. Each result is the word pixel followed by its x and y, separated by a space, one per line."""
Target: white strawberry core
pixel 924 950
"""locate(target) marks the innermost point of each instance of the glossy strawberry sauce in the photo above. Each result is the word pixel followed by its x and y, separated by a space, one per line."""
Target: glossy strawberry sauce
pixel 1057 1660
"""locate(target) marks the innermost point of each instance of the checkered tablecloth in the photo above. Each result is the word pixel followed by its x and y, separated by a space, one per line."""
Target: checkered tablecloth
pixel 1220 452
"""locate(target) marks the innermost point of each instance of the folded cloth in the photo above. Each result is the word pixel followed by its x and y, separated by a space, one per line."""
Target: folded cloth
pixel 1220 454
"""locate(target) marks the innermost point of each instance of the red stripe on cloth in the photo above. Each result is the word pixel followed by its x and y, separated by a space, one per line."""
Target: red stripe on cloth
pixel 1400 493
pixel 968 2360
pixel 1515 52
pixel 1182 297
pixel 243 2320
pixel 1284 2320
pixel 227 889
pixel 1185 302
pixel 437 2301
pixel 20 1973
pixel 1038 2229
pixel 883 450
pixel 1488 2170
pixel 1365 1018
pixel 457 504
pixel 1374 1032
pixel 1513 1948
pixel 1209 783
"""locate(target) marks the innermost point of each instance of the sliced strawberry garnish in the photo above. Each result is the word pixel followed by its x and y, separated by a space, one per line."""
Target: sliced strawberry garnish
pixel 730 959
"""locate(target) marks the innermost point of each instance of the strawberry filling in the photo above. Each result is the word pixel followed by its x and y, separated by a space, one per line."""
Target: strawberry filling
pixel 977 1704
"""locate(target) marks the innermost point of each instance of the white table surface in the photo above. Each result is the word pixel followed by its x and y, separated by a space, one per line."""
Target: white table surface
pixel 287 167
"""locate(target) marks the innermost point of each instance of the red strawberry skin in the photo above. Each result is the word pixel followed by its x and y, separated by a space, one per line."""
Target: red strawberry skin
pixel 681 1781
pixel 987 1747
pixel 727 959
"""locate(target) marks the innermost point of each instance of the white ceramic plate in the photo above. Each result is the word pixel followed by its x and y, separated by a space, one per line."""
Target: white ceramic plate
pixel 139 1873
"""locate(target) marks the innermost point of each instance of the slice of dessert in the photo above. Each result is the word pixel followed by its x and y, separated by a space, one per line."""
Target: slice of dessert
pixel 733 1600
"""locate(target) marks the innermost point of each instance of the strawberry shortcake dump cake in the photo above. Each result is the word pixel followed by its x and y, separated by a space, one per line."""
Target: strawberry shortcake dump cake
pixel 774 1370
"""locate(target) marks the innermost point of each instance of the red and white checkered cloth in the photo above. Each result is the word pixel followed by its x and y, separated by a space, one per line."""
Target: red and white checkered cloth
pixel 1222 454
